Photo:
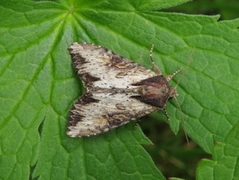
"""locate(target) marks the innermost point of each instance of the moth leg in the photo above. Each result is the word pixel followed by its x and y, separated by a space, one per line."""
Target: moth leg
pixel 165 111
pixel 136 124
pixel 156 68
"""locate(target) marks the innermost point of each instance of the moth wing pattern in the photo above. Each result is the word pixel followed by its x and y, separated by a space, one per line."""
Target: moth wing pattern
pixel 117 90
pixel 100 67
pixel 96 113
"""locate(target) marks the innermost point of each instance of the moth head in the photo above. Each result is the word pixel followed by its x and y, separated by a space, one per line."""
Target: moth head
pixel 173 93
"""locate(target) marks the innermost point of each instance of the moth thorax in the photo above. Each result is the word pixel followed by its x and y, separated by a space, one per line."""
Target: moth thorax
pixel 156 91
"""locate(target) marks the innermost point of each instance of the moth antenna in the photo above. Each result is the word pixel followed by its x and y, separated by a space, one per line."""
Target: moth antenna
pixel 169 77
pixel 183 121
pixel 184 72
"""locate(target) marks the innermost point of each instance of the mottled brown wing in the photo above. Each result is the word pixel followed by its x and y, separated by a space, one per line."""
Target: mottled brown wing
pixel 96 113
pixel 100 67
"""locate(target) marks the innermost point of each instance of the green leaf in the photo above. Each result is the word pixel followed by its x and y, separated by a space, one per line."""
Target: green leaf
pixel 225 159
pixel 38 84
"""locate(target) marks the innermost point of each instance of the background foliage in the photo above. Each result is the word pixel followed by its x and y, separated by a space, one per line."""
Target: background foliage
pixel 38 86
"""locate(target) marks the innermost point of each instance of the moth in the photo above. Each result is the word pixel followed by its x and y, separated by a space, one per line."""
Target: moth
pixel 118 90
